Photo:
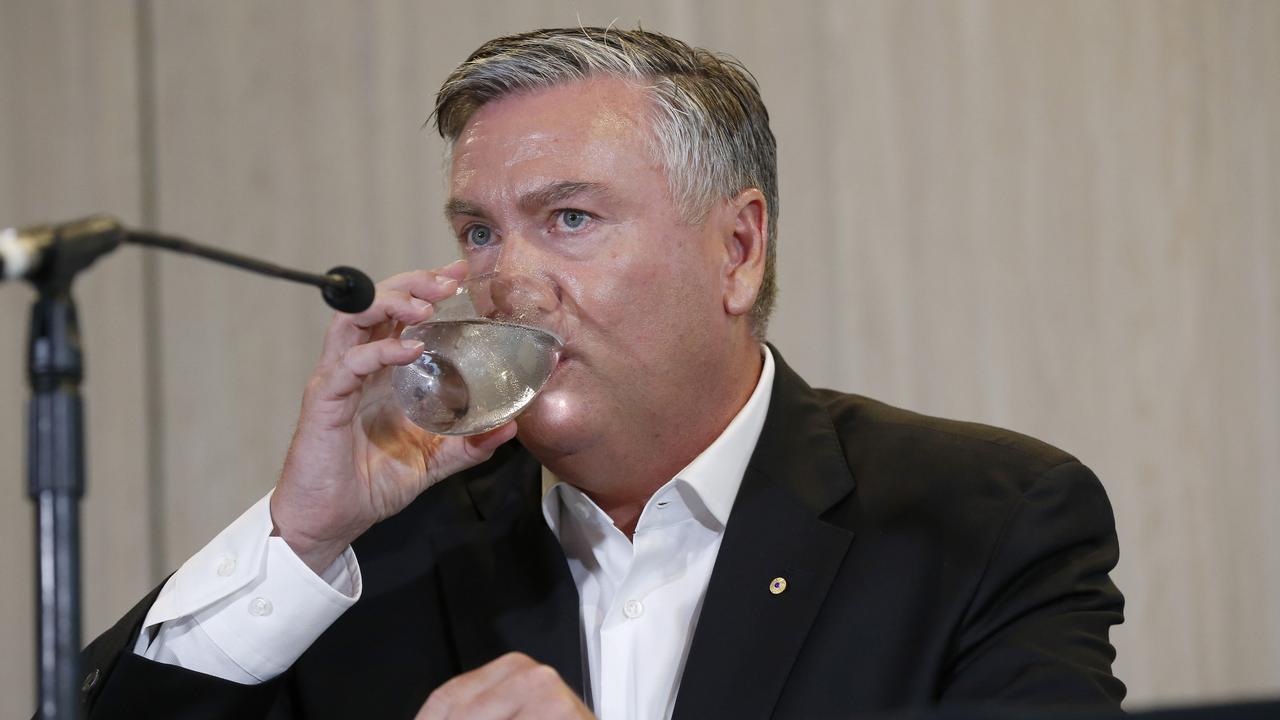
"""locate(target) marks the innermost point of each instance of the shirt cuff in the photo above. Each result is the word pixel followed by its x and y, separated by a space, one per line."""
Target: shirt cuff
pixel 253 598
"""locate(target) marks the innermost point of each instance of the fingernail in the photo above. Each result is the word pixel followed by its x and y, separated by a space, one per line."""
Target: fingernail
pixel 419 303
pixel 456 263
pixel 412 344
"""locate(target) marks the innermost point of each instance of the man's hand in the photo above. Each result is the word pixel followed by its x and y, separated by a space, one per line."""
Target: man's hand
pixel 513 686
pixel 355 458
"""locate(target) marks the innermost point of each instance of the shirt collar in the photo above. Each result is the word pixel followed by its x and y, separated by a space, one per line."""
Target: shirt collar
pixel 716 473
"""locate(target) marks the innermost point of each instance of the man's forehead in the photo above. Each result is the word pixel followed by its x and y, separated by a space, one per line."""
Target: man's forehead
pixel 585 109
pixel 582 132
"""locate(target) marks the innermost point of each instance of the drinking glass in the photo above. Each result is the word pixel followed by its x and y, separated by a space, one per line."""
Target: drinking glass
pixel 488 350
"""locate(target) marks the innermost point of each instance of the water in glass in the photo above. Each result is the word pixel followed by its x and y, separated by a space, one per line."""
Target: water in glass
pixel 474 375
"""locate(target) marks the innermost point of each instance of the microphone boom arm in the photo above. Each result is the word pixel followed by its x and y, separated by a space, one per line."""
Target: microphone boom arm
pixel 344 288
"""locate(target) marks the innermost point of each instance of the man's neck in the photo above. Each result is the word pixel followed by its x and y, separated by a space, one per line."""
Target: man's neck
pixel 620 478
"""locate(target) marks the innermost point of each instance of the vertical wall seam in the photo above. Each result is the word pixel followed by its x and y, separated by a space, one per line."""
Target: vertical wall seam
pixel 153 357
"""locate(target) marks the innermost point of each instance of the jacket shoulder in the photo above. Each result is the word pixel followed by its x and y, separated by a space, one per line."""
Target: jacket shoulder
pixel 873 431
pixel 965 472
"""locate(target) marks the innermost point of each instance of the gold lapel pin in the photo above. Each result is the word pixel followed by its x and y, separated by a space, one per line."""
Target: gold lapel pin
pixel 778 586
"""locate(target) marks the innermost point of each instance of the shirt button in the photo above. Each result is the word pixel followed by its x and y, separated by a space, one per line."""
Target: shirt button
pixel 260 607
pixel 226 565
pixel 633 609
pixel 584 512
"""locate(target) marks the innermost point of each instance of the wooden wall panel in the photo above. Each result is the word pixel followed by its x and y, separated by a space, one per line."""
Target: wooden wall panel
pixel 68 148
pixel 1060 217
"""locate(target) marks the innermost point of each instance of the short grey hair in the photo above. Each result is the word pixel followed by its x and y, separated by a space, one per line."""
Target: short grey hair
pixel 710 127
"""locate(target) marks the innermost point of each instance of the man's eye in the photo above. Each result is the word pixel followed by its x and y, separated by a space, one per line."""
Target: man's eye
pixel 573 219
pixel 479 236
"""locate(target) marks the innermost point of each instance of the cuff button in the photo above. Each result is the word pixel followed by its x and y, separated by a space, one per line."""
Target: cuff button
pixel 226 565
pixel 260 607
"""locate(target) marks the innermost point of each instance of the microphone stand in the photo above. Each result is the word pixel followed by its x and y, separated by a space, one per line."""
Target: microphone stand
pixel 55 415
pixel 55 479
pixel 56 484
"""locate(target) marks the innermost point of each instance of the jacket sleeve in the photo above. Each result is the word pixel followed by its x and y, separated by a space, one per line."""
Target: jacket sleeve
pixel 1037 629
pixel 121 684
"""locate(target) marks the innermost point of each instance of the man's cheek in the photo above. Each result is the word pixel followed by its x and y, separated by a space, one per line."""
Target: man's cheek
pixel 556 405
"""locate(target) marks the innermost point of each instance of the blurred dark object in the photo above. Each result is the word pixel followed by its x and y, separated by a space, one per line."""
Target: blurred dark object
pixel 1253 710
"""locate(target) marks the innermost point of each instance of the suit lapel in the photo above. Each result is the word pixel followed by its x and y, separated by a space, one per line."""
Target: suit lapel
pixel 748 635
pixel 504 579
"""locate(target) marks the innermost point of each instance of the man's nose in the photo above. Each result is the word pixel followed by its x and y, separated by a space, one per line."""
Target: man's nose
pixel 516 254
pixel 527 288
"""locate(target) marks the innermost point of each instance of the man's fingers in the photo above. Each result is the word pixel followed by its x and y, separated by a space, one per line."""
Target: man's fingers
pixel 531 690
pixel 461 690
pixel 480 447
pixel 346 331
pixel 429 285
pixel 342 378
pixel 395 305
pixel 405 298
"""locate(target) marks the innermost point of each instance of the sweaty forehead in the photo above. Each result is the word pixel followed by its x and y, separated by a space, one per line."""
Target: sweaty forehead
pixel 596 124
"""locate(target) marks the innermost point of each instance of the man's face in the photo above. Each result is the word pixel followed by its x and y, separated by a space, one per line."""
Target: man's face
pixel 560 182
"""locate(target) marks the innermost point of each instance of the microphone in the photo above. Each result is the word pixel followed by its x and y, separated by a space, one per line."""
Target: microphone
pixel 26 253
pixel 34 252
pixel 350 290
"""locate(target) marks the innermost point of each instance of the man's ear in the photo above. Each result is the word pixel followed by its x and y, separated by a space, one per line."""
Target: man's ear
pixel 746 240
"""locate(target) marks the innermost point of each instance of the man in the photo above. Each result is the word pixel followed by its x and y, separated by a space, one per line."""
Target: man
pixel 684 527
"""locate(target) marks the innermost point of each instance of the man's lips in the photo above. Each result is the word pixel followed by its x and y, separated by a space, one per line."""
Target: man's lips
pixel 564 359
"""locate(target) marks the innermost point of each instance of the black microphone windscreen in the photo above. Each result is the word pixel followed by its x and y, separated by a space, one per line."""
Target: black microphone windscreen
pixel 354 295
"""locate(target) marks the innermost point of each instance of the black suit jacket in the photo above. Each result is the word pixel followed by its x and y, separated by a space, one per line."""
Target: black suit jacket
pixel 926 561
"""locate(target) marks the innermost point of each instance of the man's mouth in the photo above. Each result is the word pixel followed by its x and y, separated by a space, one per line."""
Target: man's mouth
pixel 565 358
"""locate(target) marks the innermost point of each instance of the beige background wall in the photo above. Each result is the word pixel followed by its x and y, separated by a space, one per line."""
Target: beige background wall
pixel 1058 216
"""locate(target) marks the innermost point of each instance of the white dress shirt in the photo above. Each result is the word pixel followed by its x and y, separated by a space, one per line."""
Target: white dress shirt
pixel 246 607
pixel 639 601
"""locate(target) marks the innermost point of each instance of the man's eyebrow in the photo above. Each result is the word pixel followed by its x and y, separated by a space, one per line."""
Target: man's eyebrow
pixel 558 192
pixel 455 207
pixel 533 200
